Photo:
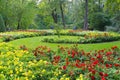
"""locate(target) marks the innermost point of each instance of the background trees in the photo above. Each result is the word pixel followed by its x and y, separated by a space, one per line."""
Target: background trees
pixel 43 14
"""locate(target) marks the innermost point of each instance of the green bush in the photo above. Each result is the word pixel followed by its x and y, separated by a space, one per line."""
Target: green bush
pixel 115 24
pixel 2 25
pixel 98 21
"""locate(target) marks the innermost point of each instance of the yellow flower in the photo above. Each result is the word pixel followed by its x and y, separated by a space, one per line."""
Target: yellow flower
pixel 11 71
pixel 43 71
pixel 55 73
pixel 26 78
pixel 35 61
pixel 67 78
pixel 61 78
pixel 81 76
pixel 1 62
pixel 64 75
pixel 29 72
pixel 45 62
pixel 1 67
pixel 15 62
pixel 33 76
pixel 59 72
pixel 21 69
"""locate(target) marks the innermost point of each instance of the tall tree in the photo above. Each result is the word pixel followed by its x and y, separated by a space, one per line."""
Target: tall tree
pixel 61 2
pixel 86 15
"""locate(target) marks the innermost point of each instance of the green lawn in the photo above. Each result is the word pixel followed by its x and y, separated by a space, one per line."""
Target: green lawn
pixel 33 42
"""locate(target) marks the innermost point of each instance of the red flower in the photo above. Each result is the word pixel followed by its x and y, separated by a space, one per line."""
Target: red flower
pixel 83 53
pixel 108 53
pixel 95 62
pixel 101 73
pixel 77 65
pixel 114 47
pixel 92 78
pixel 73 53
pixel 103 78
pixel 68 52
pixel 64 67
pixel 82 64
pixel 116 65
pixel 56 59
pixel 93 71
pixel 92 59
pixel 77 61
pixel 108 65
pixel 99 56
pixel 118 58
pixel 67 61
pixel 105 74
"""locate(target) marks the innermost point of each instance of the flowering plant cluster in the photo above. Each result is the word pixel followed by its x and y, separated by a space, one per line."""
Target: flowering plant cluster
pixel 18 64
pixel 62 64
pixel 8 36
pixel 81 36
pixel 97 65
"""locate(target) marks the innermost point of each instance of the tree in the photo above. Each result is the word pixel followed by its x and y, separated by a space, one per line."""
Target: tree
pixel 55 9
pixel 25 13
pixel 61 2
pixel 2 25
pixel 112 8
pixel 18 13
pixel 86 16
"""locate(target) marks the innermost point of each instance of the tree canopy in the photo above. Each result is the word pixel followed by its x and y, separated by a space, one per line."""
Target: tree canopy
pixel 44 14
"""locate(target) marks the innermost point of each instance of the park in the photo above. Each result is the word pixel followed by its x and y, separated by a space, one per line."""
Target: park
pixel 59 39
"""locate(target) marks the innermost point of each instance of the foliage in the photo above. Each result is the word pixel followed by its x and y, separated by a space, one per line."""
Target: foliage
pixel 98 21
pixel 18 13
pixel 115 23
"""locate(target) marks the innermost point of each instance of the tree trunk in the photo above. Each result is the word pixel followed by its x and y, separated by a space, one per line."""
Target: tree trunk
pixel 18 26
pixel 86 15
pixel 62 14
pixel 5 22
pixel 99 5
pixel 55 16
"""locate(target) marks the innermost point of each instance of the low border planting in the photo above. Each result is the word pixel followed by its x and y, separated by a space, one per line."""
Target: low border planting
pixel 83 36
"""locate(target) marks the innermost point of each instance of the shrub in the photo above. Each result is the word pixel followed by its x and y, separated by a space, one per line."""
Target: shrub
pixel 98 21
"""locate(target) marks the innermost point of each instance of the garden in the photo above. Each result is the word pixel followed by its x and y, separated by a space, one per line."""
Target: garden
pixel 59 39
pixel 63 62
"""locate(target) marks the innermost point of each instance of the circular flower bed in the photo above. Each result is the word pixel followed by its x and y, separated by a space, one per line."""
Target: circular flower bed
pixel 83 37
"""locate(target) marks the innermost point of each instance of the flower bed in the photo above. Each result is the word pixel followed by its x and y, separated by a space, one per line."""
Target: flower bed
pixel 80 65
pixel 84 37
pixel 81 36
pixel 62 64
pixel 9 36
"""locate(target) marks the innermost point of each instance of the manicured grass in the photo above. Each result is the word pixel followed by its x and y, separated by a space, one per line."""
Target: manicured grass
pixel 33 42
